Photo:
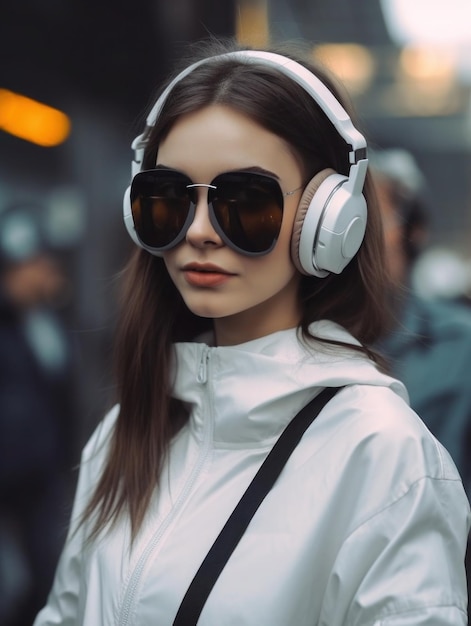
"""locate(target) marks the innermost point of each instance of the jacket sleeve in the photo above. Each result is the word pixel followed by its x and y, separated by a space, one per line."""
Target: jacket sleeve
pixel 404 565
pixel 63 606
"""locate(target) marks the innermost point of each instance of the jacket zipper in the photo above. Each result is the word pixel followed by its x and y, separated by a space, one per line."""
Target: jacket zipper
pixel 131 589
pixel 202 376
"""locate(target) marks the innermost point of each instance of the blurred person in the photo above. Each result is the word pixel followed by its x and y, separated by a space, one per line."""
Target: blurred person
pixel 429 345
pixel 35 394
pixel 442 273
pixel 256 287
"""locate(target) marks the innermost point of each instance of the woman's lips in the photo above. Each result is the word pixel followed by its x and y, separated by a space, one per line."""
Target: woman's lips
pixel 205 275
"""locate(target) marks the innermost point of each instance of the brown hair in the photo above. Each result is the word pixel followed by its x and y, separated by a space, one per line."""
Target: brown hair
pixel 153 314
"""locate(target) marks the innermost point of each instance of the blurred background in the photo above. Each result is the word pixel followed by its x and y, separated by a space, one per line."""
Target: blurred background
pixel 76 79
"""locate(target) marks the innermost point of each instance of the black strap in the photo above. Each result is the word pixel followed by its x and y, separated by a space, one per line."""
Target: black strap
pixel 218 555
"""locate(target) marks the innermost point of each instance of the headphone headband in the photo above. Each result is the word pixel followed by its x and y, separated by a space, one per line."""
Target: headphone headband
pixel 294 70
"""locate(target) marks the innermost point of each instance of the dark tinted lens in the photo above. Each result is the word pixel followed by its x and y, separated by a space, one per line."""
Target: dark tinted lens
pixel 160 205
pixel 249 210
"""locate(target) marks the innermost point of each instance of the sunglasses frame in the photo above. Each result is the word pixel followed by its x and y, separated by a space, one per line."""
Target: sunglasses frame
pixel 278 197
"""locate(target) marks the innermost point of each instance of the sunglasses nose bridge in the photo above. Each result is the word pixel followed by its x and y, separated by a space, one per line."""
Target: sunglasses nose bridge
pixel 195 196
pixel 202 227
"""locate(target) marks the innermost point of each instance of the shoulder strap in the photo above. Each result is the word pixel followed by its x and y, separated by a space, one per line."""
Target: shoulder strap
pixel 218 555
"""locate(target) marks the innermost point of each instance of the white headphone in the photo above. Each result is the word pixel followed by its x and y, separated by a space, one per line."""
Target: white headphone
pixel 331 219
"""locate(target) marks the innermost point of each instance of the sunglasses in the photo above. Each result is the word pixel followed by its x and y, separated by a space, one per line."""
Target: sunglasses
pixel 245 209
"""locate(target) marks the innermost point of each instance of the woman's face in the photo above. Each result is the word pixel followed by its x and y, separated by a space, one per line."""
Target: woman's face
pixel 247 297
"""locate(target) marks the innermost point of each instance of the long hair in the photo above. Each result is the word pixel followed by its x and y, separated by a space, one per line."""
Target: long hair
pixel 153 314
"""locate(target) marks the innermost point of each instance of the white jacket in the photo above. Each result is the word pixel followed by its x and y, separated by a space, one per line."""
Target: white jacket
pixel 366 525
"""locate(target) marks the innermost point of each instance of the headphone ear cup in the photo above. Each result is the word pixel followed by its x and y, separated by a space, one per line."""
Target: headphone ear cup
pixel 333 227
pixel 303 207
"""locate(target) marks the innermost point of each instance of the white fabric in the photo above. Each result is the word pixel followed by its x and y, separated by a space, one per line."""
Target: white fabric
pixel 366 526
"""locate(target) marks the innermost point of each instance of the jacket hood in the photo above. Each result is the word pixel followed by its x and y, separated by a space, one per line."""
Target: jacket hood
pixel 255 388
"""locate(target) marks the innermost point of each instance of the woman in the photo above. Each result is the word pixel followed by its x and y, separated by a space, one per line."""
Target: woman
pixel 258 282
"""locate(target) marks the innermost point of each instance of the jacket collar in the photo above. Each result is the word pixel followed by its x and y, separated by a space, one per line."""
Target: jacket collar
pixel 246 394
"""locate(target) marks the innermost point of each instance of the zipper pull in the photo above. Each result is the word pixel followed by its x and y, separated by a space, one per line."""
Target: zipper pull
pixel 202 376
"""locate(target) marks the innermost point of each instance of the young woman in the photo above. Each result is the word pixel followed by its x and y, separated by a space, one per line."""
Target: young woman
pixel 257 283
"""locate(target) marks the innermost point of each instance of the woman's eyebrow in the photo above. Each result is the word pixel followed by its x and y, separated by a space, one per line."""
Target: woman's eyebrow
pixel 256 169
pixel 161 166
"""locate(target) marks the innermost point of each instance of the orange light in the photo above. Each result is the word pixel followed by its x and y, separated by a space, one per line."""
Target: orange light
pixel 31 120
pixel 352 63
pixel 428 63
pixel 252 23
